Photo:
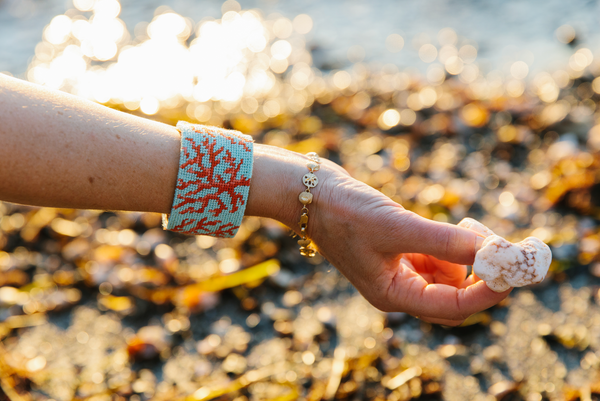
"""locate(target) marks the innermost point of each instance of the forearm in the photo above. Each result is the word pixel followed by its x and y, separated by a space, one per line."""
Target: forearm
pixel 62 151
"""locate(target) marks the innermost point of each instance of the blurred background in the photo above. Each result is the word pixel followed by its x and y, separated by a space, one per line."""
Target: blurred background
pixel 453 109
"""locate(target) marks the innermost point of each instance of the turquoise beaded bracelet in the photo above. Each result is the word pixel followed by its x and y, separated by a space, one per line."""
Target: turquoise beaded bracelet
pixel 213 182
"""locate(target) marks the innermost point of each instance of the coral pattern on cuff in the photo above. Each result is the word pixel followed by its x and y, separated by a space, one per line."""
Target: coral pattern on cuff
pixel 213 182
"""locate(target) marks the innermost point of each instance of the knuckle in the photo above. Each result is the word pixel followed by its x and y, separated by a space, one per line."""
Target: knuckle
pixel 412 226
pixel 459 313
pixel 446 238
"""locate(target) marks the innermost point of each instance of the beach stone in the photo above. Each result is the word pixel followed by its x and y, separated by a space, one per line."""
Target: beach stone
pixel 502 264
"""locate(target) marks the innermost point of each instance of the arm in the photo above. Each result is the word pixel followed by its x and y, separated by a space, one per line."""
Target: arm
pixel 62 151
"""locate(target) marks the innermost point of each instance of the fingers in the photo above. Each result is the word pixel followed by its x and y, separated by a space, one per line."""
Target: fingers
pixel 440 271
pixel 410 293
pixel 472 279
pixel 458 304
pixel 416 234
pixel 443 322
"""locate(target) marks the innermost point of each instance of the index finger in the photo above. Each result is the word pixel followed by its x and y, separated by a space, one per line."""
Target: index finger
pixel 412 294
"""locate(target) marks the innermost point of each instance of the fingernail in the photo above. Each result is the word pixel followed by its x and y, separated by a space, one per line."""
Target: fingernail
pixel 478 243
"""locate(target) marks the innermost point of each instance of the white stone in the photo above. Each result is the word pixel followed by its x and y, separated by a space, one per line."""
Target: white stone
pixel 502 264
pixel 476 226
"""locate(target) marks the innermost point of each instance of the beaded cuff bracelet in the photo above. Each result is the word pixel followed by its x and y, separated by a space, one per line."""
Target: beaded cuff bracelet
pixel 213 182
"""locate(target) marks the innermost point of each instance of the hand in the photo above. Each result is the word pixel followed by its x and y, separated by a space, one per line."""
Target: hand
pixel 398 260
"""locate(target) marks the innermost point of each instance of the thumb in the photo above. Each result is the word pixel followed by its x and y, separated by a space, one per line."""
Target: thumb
pixel 444 241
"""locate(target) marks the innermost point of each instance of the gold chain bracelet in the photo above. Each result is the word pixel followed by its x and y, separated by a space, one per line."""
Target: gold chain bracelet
pixel 310 180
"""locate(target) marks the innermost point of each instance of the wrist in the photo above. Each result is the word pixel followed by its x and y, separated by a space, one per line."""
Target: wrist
pixel 277 183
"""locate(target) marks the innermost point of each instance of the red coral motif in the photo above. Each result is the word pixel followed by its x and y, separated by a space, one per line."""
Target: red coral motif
pixel 206 178
pixel 226 230
pixel 203 226
pixel 232 136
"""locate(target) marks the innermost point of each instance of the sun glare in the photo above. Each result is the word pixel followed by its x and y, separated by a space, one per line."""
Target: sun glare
pixel 177 62
pixel 257 68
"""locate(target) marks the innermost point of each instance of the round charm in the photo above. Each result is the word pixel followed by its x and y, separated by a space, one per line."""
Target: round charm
pixel 305 197
pixel 308 252
pixel 310 180
pixel 313 166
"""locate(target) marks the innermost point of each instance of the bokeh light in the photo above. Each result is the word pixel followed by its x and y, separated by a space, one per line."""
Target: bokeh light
pixel 227 61
pixel 448 135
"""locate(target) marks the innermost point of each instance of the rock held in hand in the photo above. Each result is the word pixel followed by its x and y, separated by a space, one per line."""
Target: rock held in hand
pixel 502 264
pixel 476 226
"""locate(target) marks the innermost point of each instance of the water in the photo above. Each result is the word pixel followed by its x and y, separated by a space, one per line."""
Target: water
pixel 504 32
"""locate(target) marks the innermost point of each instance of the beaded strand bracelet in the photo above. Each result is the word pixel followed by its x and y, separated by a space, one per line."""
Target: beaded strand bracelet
pixel 310 180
